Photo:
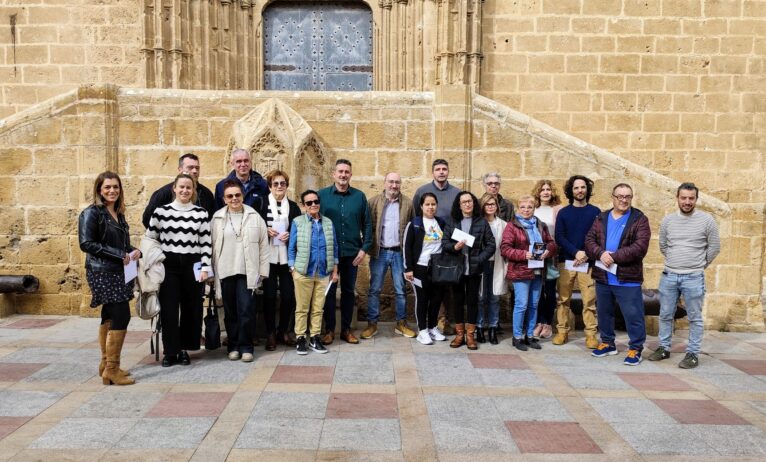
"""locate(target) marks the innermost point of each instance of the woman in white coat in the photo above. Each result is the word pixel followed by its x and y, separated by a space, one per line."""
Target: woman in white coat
pixel 493 281
pixel 241 262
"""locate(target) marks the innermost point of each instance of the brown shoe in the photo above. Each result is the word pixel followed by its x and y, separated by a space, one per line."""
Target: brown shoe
pixel 286 338
pixel 328 338
pixel 444 326
pixel 349 337
pixel 403 329
pixel 271 342
pixel 370 331
pixel 459 339
pixel 591 342
pixel 560 338
pixel 102 332
pixel 111 375
pixel 470 339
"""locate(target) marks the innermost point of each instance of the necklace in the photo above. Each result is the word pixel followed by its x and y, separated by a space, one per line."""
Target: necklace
pixel 241 223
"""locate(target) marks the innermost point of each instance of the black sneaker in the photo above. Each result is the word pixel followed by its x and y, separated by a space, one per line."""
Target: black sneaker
pixel 534 343
pixel 690 361
pixel 659 354
pixel 316 344
pixel 300 346
pixel 519 344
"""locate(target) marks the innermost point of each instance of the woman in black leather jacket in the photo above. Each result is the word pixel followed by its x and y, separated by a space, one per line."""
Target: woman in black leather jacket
pixel 105 238
pixel 466 216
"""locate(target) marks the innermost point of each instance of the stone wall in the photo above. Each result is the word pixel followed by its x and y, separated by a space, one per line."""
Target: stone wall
pixel 49 156
pixel 57 45
pixel 674 85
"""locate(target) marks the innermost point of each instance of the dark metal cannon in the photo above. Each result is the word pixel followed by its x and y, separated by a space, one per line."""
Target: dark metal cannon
pixel 25 284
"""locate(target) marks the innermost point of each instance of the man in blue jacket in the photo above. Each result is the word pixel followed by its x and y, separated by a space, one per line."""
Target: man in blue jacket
pixel 254 186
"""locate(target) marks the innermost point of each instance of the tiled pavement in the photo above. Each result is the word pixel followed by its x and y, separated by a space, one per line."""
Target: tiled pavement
pixel 389 398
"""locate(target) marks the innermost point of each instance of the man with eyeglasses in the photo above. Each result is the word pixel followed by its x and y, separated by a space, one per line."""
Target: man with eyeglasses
pixel 390 211
pixel 445 195
pixel 689 242
pixel 491 182
pixel 572 224
pixel 347 207
pixel 188 164
pixel 619 240
pixel 254 187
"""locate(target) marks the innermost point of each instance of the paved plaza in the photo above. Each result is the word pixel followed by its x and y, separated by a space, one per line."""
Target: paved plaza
pixel 389 398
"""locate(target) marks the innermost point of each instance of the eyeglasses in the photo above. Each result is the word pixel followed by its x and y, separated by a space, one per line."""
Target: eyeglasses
pixel 490 205
pixel 492 183
pixel 466 202
pixel 623 198
pixel 310 203
pixel 279 183
pixel 232 196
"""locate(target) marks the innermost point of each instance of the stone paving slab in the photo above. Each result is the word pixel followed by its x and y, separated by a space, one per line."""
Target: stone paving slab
pixel 388 398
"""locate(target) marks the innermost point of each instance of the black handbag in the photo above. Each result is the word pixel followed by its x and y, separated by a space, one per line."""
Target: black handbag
pixel 212 326
pixel 446 268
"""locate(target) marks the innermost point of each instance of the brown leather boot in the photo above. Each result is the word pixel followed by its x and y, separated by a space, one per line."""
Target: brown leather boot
pixel 470 340
pixel 459 339
pixel 111 375
pixel 102 331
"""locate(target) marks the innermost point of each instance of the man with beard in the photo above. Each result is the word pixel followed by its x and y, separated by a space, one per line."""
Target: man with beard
pixel 689 241
pixel 572 224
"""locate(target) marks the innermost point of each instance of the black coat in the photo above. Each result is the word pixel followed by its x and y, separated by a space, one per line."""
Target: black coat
pixel 483 246
pixel 104 240
pixel 164 196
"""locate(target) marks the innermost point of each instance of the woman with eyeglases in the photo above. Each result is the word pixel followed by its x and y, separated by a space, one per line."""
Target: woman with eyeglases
pixel 241 254
pixel 183 231
pixel 313 257
pixel 279 212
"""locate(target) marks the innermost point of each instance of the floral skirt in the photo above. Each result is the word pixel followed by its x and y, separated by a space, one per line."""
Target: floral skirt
pixel 108 287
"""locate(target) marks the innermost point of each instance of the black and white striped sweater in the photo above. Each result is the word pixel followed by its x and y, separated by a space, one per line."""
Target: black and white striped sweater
pixel 182 228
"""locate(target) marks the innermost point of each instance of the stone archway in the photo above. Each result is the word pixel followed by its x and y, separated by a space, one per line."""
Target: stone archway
pixel 278 137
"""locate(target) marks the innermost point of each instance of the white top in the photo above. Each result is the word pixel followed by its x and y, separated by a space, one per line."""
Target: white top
pixel 545 214
pixel 232 261
pixel 432 241
pixel 278 213
pixel 182 228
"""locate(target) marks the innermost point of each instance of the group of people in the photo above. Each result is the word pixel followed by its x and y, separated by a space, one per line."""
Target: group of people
pixel 250 240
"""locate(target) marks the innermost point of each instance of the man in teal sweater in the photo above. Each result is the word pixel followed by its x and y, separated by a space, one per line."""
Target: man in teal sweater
pixel 350 215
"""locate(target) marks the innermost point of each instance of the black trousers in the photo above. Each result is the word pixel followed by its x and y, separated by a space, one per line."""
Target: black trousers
pixel 239 307
pixel 347 274
pixel 547 302
pixel 279 277
pixel 427 299
pixel 117 313
pixel 180 294
pixel 466 293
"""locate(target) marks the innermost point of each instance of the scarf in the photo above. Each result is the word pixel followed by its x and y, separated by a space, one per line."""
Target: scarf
pixel 530 226
pixel 282 212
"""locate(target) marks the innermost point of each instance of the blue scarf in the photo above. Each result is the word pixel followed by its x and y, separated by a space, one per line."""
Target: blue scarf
pixel 530 226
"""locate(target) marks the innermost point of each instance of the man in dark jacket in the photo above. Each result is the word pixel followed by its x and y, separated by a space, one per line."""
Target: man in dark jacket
pixel 254 186
pixel 618 242
pixel 189 164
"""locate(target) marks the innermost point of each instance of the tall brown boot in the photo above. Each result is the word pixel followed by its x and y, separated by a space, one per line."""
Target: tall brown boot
pixel 470 340
pixel 459 339
pixel 111 375
pixel 102 330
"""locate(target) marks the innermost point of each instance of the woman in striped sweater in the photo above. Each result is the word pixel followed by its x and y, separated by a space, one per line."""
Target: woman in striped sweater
pixel 183 232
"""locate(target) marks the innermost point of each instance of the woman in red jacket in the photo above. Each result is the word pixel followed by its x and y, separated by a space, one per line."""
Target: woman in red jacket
pixel 526 244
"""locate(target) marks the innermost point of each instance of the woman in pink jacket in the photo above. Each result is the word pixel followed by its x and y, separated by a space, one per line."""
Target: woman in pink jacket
pixel 526 244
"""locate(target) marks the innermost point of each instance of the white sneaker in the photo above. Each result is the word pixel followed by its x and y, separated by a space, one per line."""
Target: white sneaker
pixel 234 355
pixel 247 357
pixel 436 335
pixel 424 338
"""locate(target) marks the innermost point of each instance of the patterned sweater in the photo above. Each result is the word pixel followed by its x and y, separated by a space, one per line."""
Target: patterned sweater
pixel 182 228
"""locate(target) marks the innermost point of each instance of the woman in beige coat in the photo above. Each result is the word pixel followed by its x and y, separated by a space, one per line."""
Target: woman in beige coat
pixel 241 262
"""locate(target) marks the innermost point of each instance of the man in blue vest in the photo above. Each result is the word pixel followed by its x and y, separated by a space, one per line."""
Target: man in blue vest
pixel 347 208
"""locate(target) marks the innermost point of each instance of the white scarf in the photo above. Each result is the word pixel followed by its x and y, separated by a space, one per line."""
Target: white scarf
pixel 283 211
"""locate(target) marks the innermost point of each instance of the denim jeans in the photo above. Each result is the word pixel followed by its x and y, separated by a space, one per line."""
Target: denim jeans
pixel 488 300
pixel 347 275
pixel 378 268
pixel 692 287
pixel 526 296
pixel 631 303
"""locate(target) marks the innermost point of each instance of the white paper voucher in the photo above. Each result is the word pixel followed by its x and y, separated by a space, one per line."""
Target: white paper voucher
pixel 460 235
pixel 535 263
pixel 131 271
pixel 612 268
pixel 569 265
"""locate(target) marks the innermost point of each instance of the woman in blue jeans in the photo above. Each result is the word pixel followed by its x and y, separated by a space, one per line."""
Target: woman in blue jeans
pixel 526 241
pixel 493 277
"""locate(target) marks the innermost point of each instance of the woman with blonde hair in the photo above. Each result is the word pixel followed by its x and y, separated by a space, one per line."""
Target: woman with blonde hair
pixel 547 206
pixel 526 245
pixel 104 236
